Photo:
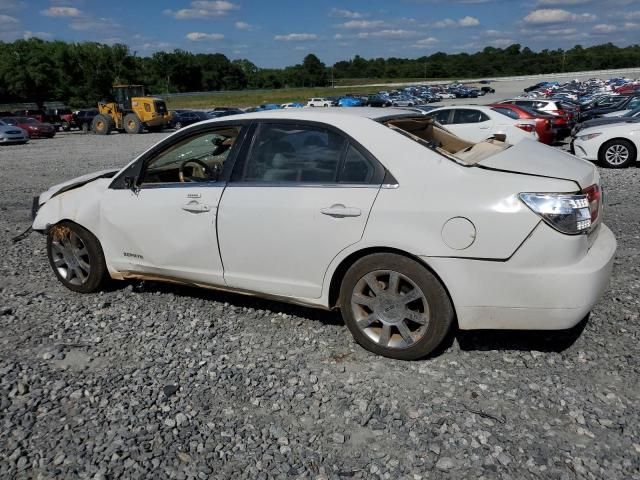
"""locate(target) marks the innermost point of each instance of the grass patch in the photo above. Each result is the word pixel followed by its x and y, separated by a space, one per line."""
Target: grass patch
pixel 250 98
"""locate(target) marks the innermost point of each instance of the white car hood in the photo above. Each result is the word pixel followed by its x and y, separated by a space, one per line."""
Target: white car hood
pixel 75 182
pixel 534 158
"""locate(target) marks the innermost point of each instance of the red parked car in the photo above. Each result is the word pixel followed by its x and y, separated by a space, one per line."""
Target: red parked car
pixel 544 123
pixel 33 127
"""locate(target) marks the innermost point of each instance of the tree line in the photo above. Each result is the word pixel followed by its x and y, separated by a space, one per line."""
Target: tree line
pixel 79 74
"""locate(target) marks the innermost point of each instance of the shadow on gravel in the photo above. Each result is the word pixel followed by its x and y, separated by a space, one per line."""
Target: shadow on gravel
pixel 235 299
pixel 522 340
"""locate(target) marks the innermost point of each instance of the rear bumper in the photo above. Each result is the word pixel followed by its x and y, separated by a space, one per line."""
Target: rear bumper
pixel 550 283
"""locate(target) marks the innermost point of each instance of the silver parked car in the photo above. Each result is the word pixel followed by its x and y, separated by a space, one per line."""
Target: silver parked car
pixel 12 134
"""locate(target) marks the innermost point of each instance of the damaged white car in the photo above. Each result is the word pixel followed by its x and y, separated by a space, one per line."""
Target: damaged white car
pixel 382 214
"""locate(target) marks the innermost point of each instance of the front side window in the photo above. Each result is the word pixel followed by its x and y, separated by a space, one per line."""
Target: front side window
pixel 199 158
pixel 294 153
pixel 441 116
pixel 463 115
pixel 635 103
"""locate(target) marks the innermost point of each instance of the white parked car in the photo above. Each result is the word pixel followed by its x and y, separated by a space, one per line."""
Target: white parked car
pixel 446 96
pixel 319 102
pixel 476 123
pixel 379 213
pixel 615 145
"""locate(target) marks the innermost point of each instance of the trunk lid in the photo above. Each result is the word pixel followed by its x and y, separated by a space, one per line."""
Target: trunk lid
pixel 534 158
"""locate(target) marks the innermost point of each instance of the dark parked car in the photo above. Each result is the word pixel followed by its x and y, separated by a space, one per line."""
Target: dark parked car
pixel 39 115
pixel 632 116
pixel 378 101
pixel 487 90
pixel 182 118
pixel 224 112
pixel 61 118
pixel 33 127
pixel 82 119
pixel 610 104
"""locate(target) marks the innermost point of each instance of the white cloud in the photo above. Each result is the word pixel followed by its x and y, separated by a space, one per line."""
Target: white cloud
pixel 468 21
pixel 556 15
pixel 42 35
pixel 341 13
pixel 425 42
pixel 463 22
pixel 604 28
pixel 61 12
pixel 203 37
pixel 362 24
pixel 296 37
pixel 243 26
pixel 8 20
pixel 338 36
pixel 632 15
pixel 398 33
pixel 562 3
pixel 83 24
pixel 203 9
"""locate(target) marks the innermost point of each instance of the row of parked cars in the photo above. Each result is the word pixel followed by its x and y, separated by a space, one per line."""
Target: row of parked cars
pixel 606 114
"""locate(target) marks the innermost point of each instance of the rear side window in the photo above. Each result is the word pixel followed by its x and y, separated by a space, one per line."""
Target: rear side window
pixel 463 115
pixel 294 154
pixel 525 103
pixel 506 111
pixel 356 168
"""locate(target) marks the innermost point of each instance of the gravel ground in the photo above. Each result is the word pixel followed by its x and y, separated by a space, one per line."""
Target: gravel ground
pixel 153 381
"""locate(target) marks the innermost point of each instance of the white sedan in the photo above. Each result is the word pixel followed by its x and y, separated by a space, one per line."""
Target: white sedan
pixel 615 145
pixel 380 213
pixel 477 123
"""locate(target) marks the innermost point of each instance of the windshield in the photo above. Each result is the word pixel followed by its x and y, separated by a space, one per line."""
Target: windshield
pixel 633 113
pixel 30 120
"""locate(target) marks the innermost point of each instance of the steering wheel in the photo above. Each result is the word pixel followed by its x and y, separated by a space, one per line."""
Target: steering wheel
pixel 206 171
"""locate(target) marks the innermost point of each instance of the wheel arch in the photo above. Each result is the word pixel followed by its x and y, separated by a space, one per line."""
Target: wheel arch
pixel 635 145
pixel 344 265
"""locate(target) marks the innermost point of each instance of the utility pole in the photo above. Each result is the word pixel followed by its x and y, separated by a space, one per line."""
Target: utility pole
pixel 564 59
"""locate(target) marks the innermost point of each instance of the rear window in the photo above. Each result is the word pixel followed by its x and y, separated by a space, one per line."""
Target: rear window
pixel 507 112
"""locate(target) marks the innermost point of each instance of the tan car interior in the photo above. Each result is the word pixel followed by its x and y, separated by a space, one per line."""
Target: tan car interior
pixel 426 130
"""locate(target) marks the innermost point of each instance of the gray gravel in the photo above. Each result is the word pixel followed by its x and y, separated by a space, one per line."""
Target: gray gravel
pixel 154 381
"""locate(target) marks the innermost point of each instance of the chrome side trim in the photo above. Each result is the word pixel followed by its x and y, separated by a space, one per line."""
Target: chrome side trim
pixel 300 185
pixel 150 186
pixel 389 186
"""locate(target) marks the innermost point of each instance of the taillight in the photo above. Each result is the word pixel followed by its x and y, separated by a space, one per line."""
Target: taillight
pixel 526 127
pixel 594 197
pixel 567 213
pixel 547 124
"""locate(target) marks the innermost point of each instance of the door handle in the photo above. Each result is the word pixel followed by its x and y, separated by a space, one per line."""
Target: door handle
pixel 195 207
pixel 340 211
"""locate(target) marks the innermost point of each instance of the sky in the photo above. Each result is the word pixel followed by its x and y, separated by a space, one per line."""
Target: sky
pixel 277 33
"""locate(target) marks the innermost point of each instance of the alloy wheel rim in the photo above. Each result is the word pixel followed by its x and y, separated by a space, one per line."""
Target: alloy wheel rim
pixel 617 154
pixel 71 257
pixel 390 309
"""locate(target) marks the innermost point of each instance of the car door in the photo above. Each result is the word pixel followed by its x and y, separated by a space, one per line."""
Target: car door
pixel 166 224
pixel 300 196
pixel 471 125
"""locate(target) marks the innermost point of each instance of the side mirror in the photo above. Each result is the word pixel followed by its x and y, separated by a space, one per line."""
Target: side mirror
pixel 131 183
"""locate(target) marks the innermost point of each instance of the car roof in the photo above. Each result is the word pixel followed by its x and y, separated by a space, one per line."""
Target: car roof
pixel 327 115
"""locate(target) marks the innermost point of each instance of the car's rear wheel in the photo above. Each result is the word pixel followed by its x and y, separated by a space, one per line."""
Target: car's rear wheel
pixel 76 257
pixel 617 153
pixel 395 307
pixel 65 126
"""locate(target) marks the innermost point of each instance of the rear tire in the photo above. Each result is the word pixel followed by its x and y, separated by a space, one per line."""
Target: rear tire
pixel 101 125
pixel 132 123
pixel 617 153
pixel 66 126
pixel 76 257
pixel 395 307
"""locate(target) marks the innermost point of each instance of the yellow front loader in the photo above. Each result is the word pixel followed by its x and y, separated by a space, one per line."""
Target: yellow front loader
pixel 130 111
